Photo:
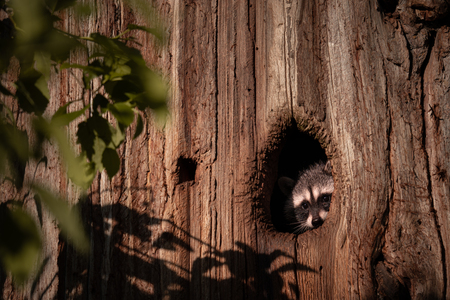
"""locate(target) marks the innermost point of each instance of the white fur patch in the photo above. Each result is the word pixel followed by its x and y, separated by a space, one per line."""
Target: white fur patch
pixel 309 221
pixel 315 192
pixel 298 199
pixel 327 190
pixel 323 214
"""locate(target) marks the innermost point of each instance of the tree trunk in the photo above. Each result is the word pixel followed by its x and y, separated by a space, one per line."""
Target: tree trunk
pixel 365 83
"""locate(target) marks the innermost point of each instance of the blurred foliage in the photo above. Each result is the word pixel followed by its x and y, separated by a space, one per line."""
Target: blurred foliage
pixel 125 87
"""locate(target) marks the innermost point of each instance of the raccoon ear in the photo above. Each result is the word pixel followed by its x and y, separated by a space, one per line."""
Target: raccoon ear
pixel 327 168
pixel 286 185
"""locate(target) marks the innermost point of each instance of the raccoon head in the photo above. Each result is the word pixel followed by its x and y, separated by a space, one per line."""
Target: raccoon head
pixel 308 198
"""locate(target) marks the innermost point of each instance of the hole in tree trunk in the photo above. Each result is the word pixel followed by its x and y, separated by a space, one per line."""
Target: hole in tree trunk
pixel 388 6
pixel 186 168
pixel 299 151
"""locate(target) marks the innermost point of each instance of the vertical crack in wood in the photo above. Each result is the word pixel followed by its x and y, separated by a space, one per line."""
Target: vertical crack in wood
pixel 214 143
pixel 216 82
pixel 389 150
pixel 286 48
pixel 377 255
pixel 377 258
pixel 410 55
pixel 427 161
pixel 297 283
pixel 419 41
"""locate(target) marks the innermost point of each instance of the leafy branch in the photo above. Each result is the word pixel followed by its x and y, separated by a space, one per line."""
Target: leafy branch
pixel 127 87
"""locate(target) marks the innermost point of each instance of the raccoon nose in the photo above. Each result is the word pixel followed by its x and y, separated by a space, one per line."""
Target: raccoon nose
pixel 316 222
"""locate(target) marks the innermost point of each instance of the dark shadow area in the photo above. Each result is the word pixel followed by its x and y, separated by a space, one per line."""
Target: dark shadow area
pixel 3 277
pixel 298 151
pixel 186 168
pixel 387 6
pixel 388 285
pixel 141 273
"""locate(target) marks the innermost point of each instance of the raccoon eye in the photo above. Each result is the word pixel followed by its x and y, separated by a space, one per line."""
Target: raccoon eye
pixel 304 205
pixel 326 198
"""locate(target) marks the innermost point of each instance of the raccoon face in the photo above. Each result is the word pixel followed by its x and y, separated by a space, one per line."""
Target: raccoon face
pixel 311 210
pixel 308 198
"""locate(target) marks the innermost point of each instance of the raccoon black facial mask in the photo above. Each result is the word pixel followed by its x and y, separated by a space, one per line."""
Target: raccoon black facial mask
pixel 308 198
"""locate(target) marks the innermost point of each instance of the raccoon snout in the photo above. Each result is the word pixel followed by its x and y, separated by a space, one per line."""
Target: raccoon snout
pixel 316 222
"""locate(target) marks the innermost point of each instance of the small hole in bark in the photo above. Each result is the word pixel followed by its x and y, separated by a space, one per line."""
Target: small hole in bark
pixel 186 168
pixel 388 6
pixel 299 151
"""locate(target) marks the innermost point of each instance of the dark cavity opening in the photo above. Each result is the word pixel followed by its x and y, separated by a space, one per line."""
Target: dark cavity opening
pixel 186 168
pixel 298 151
pixel 387 6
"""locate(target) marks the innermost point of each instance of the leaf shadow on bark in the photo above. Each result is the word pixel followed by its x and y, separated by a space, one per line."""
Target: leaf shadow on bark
pixel 140 273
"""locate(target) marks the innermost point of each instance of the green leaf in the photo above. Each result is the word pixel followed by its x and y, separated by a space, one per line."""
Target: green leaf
pixel 84 9
pixel 155 31
pixel 62 118
pixel 149 88
pixel 56 5
pixel 33 19
pixel 123 112
pixel 61 111
pixel 146 12
pixel 68 219
pixel 98 147
pixel 93 70
pixel 82 173
pixel 161 114
pixel 139 127
pixel 117 137
pixel 111 162
pixel 79 171
pixel 118 49
pixel 43 63
pixel 155 87
pixel 119 71
pixel 20 244
pixel 42 85
pixel 59 45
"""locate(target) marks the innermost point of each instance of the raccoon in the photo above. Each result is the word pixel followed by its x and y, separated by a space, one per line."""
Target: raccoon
pixel 308 198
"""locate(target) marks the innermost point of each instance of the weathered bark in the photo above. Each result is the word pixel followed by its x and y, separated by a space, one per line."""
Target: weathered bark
pixel 189 215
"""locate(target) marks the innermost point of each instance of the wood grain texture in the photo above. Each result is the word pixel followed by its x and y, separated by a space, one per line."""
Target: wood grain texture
pixel 189 215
